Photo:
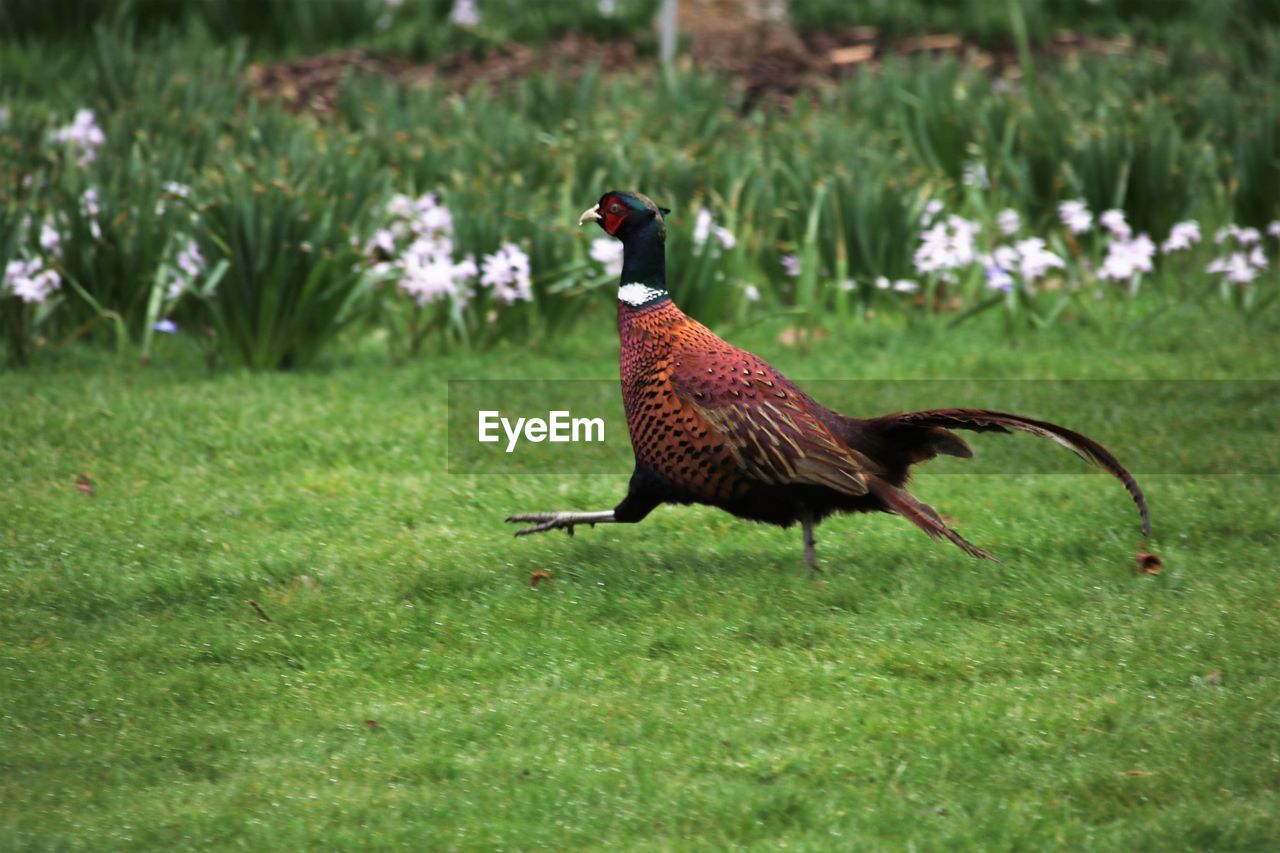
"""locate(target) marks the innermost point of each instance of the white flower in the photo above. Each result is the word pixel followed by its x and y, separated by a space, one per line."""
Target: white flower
pixel 171 190
pixel 430 275
pixel 1114 221
pixel 89 207
pixel 84 135
pixel 381 244
pixel 464 14
pixel 607 8
pixel 50 239
pixel 1029 259
pixel 751 292
pixel 507 272
pixel 975 175
pixel 30 281
pixel 190 264
pixel 1273 229
pixel 947 246
pixel 931 210
pixel 704 227
pixel 1075 215
pixel 902 285
pixel 190 261
pixel 1127 258
pixel 400 206
pixel 607 252
pixel 1181 236
pixel 1235 268
pixel 1243 236
pixel 790 265
pixel 1008 221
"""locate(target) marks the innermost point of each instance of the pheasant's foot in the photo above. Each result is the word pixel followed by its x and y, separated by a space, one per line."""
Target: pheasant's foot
pixel 544 521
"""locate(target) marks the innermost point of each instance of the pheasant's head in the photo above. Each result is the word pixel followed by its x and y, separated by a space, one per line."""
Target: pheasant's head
pixel 624 213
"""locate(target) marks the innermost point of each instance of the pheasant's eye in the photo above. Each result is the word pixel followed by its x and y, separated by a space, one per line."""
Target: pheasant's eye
pixel 615 207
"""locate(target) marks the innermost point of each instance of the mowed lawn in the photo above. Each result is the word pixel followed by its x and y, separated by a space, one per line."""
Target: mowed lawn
pixel 278 622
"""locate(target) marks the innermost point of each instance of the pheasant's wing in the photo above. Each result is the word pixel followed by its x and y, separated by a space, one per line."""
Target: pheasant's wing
pixel 767 423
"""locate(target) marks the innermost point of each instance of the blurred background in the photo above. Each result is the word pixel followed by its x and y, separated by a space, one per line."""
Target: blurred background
pixel 259 180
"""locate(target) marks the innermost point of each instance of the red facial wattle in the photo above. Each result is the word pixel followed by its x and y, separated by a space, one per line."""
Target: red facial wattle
pixel 613 216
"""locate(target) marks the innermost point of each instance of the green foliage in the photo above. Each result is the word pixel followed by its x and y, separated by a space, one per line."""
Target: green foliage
pixel 838 180
pixel 282 219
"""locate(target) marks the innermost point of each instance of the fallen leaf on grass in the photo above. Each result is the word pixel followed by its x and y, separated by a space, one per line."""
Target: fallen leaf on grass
pixel 1134 773
pixel 538 577
pixel 851 55
pixel 1149 563
pixel 373 725
pixel 85 485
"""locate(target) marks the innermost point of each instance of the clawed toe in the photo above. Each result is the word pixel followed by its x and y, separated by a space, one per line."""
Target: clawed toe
pixel 544 521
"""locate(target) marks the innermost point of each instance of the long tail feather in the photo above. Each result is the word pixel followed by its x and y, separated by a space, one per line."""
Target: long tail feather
pixel 923 516
pixel 984 420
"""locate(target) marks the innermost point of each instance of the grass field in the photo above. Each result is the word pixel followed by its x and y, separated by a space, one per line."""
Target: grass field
pixel 682 682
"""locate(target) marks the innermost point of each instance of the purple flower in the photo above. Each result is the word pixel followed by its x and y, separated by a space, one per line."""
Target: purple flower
pixel 166 327
pixel 998 278
pixel 790 265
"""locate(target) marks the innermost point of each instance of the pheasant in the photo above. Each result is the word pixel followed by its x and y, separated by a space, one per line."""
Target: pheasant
pixel 713 424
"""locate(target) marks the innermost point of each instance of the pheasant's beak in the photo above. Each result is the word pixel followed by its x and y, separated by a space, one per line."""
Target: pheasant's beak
pixel 591 214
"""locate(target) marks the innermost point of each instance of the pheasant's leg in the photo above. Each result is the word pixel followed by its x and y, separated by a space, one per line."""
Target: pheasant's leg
pixel 544 521
pixel 640 500
pixel 810 553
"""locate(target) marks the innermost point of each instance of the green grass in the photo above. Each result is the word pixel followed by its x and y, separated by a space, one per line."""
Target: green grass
pixel 684 681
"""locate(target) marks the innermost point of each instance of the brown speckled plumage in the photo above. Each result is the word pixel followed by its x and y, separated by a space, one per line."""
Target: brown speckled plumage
pixel 713 424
